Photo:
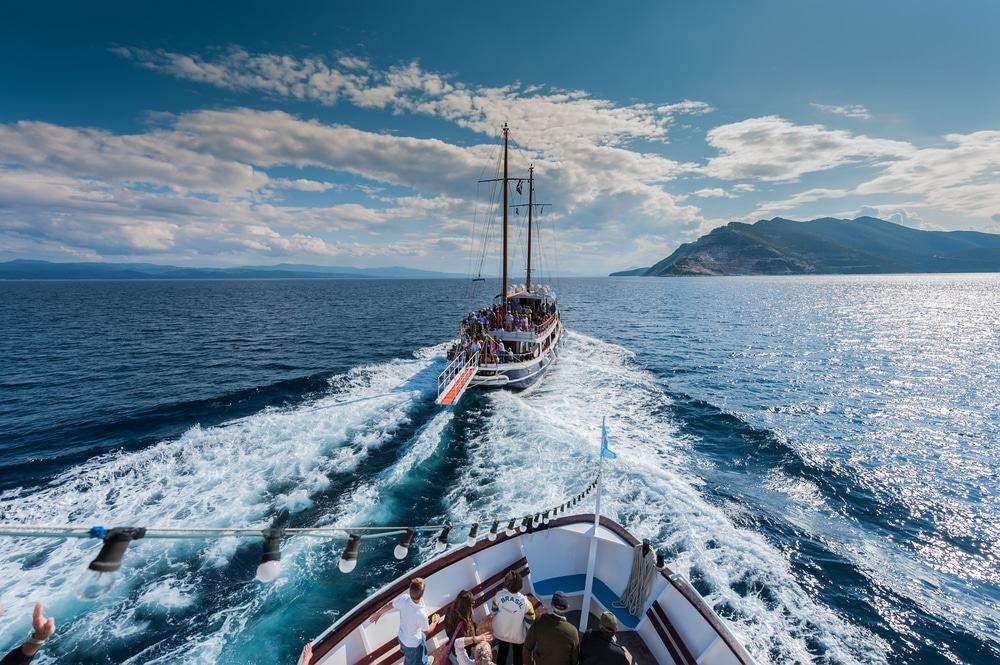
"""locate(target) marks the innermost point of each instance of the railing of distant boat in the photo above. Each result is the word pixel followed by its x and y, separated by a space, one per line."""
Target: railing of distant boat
pixel 454 368
pixel 527 335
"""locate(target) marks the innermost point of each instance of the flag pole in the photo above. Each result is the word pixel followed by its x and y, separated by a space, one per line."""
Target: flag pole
pixel 588 587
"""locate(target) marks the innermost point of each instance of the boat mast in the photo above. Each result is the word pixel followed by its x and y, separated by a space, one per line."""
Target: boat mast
pixel 504 285
pixel 531 192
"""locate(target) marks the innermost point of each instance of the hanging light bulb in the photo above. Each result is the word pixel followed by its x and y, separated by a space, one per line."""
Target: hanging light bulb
pixel 510 530
pixel 442 542
pixel 545 517
pixel 473 532
pixel 525 524
pixel 492 535
pixel 403 548
pixel 270 557
pixel 105 569
pixel 349 559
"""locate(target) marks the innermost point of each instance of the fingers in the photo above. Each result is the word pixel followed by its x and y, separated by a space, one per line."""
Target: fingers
pixel 36 617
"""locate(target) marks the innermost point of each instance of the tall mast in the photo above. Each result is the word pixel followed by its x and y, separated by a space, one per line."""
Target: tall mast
pixel 531 192
pixel 504 285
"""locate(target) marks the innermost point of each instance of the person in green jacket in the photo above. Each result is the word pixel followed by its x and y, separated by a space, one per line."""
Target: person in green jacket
pixel 552 640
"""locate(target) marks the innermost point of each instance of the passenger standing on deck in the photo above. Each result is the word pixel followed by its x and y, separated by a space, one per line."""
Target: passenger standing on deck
pixel 460 628
pixel 513 615
pixel 552 640
pixel 414 626
pixel 598 645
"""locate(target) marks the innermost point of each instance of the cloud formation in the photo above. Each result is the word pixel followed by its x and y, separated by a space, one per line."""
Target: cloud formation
pixel 848 111
pixel 238 184
pixel 772 148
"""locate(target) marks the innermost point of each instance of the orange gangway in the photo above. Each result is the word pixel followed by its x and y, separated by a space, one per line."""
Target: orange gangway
pixel 453 381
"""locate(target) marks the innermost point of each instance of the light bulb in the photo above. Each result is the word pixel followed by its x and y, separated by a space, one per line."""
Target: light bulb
pixel 268 571
pixel 491 536
pixel 403 547
pixel 349 559
pixel 95 583
pixel 440 547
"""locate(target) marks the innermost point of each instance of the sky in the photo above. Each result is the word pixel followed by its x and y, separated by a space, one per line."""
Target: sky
pixel 354 134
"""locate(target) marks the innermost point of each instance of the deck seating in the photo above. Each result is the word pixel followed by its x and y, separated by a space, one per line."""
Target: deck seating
pixel 574 584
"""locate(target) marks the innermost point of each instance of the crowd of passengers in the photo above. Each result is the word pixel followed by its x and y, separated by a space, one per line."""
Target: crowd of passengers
pixel 518 626
pixel 491 352
pixel 476 328
pixel 523 318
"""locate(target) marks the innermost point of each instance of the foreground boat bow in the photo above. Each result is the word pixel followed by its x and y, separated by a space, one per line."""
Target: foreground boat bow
pixel 675 626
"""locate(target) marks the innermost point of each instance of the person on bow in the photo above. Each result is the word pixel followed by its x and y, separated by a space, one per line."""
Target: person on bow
pixel 552 640
pixel 513 615
pixel 414 625
pixel 598 645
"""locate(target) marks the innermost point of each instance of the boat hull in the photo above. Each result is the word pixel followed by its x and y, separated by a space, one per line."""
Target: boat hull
pixel 516 376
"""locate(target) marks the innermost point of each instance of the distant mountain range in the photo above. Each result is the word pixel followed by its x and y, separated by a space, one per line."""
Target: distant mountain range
pixel 27 269
pixel 828 246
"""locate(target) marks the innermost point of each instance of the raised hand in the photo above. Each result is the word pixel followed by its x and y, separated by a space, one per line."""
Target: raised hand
pixel 43 628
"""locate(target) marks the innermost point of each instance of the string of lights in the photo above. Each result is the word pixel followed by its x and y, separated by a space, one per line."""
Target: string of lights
pixel 102 573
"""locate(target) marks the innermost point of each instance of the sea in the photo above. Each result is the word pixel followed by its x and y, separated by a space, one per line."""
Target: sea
pixel 820 456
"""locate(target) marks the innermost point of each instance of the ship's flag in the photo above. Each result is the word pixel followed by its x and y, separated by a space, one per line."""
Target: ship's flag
pixel 606 452
pixel 519 183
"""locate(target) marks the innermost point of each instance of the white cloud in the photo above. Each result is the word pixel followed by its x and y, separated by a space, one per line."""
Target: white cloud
pixel 768 208
pixel 775 149
pixel 198 186
pixel 544 119
pixel 895 214
pixel 848 111
pixel 744 187
pixel 687 106
pixel 963 177
pixel 713 192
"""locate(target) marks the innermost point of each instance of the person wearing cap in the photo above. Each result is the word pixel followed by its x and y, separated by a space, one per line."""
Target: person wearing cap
pixel 552 640
pixel 598 645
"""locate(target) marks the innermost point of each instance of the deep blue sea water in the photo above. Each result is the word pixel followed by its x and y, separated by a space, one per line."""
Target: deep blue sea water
pixel 819 455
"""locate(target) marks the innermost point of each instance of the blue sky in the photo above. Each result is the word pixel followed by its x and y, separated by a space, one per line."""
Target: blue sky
pixel 233 133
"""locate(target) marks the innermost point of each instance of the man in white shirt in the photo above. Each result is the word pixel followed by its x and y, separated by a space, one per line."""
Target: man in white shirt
pixel 414 626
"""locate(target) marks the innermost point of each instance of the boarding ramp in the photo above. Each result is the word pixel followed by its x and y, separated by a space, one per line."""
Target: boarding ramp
pixel 455 378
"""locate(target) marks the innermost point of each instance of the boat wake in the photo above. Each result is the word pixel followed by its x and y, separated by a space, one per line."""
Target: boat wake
pixel 376 449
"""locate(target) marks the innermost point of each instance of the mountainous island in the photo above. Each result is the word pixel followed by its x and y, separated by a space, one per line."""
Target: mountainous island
pixel 827 246
pixel 27 269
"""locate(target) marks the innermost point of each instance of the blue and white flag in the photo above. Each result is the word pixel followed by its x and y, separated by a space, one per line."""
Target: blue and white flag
pixel 606 452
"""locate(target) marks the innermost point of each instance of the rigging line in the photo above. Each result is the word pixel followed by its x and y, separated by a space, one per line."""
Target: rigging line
pixel 476 222
pixel 495 204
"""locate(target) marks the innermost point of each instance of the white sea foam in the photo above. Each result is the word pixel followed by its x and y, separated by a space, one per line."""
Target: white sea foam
pixel 240 473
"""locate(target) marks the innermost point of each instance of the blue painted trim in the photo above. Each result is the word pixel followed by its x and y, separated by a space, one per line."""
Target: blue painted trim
pixel 602 592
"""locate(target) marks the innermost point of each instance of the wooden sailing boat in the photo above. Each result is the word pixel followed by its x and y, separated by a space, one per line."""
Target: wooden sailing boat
pixel 510 343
